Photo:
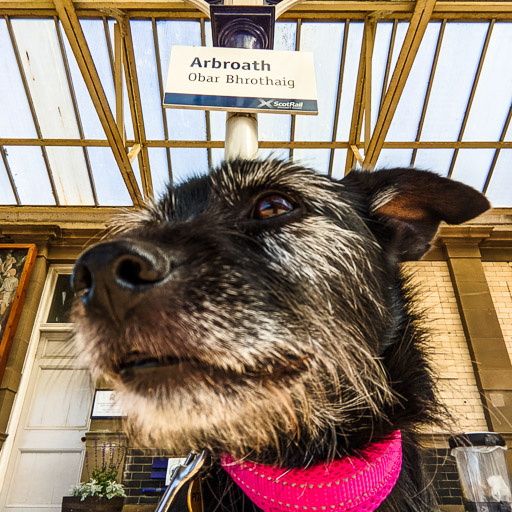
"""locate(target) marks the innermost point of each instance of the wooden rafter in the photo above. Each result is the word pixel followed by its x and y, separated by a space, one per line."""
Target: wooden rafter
pixel 410 46
pixel 118 80
pixel 358 108
pixel 369 43
pixel 309 9
pixel 70 23
pixel 277 144
pixel 132 84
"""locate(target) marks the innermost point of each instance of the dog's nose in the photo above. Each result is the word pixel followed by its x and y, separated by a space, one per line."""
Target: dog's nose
pixel 113 276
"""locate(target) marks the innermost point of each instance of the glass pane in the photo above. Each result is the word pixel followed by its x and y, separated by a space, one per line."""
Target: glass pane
pixel 472 166
pixel 389 158
pixel 436 160
pixel 62 300
pixel 16 119
pixel 379 61
pixel 30 176
pixel 144 50
pixel 453 80
pixel 317 159
pixel 91 125
pixel 182 124
pixel 281 154
pixel 355 37
pixel 70 175
pixel 6 194
pixel 159 170
pixel 110 187
pixel 188 162
pixel 338 166
pixel 316 37
pixel 46 77
pixel 94 32
pixel 494 92
pixel 500 188
pixel 404 125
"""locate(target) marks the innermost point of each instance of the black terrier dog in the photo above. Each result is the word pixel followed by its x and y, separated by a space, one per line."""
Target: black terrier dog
pixel 259 312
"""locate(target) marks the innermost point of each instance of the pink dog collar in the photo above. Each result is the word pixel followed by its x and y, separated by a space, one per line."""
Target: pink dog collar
pixel 351 484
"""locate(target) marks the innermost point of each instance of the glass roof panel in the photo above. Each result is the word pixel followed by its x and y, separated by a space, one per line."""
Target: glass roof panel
pixel 453 80
pixel 494 92
pixel 338 166
pixel 70 176
pixel 40 51
pixel 354 40
pixel 472 166
pixel 379 62
pixel 91 125
pixel 6 193
pixel 404 125
pixel 282 153
pixel 94 32
pixel 317 159
pixel 30 176
pixel 278 126
pixel 401 31
pixel 315 38
pixel 16 119
pixel 110 187
pixel 434 159
pixel 389 158
pixel 159 170
pixel 147 74
pixel 500 187
pixel 217 156
pixel 187 162
pixel 183 124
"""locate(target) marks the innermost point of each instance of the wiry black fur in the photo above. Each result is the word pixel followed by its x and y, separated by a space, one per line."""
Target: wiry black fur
pixel 223 264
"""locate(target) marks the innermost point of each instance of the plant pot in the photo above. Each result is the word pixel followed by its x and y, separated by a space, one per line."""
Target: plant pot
pixel 92 504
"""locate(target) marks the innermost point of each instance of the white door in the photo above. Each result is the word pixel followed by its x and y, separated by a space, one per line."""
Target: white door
pixel 47 450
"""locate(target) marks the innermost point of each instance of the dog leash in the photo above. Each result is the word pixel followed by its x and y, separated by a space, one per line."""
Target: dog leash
pixel 188 472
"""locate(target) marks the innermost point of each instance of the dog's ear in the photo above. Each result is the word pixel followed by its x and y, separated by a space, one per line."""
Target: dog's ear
pixel 412 203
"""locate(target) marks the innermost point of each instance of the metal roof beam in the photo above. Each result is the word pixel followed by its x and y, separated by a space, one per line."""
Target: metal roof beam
pixel 410 46
pixel 70 23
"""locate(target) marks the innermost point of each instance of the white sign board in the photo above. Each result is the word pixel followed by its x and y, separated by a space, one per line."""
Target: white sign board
pixel 241 80
pixel 106 405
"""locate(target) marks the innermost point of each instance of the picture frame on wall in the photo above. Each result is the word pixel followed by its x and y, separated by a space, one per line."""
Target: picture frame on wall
pixel 16 263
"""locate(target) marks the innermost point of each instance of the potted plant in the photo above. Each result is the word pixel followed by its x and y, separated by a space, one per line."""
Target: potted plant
pixel 102 492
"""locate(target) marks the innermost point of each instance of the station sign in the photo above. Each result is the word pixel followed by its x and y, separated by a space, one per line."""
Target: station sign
pixel 241 80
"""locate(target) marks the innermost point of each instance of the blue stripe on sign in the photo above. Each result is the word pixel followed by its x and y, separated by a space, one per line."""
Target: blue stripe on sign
pixel 236 102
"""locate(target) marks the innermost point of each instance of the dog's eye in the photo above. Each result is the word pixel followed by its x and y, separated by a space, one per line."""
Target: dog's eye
pixel 272 206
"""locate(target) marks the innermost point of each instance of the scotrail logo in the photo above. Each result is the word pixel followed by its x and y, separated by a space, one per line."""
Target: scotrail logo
pixel 279 104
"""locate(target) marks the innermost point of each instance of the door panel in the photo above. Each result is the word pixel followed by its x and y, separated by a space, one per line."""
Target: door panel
pixel 47 451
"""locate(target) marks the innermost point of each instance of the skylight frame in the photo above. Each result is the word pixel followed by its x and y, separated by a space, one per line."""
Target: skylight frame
pixel 362 11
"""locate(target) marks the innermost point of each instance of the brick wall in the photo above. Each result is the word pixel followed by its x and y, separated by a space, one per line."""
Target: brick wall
pixel 442 469
pixel 499 279
pixel 450 354
pixel 137 475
